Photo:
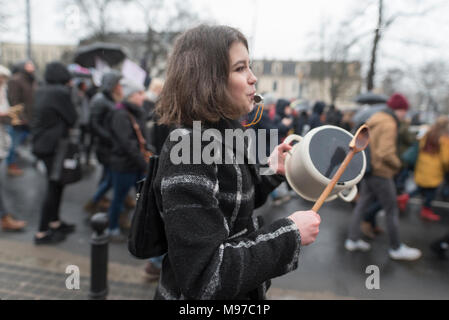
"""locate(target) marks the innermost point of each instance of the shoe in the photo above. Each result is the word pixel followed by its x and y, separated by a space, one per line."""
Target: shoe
pixel 367 229
pixel 440 248
pixel 14 171
pixel 12 225
pixel 361 245
pixel 51 237
pixel 428 214
pixel 152 272
pixel 130 203
pixel 378 230
pixel 403 201
pixel 65 228
pixel 116 236
pixel 104 203
pixel 124 222
pixel 405 253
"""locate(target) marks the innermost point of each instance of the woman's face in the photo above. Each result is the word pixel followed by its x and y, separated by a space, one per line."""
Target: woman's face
pixel 241 81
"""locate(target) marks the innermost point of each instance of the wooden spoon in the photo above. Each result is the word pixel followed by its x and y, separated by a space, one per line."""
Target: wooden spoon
pixel 357 144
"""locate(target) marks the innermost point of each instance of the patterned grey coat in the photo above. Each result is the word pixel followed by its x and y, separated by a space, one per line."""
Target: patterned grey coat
pixel 216 247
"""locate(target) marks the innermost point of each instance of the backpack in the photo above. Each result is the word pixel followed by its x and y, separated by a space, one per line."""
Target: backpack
pixel 147 237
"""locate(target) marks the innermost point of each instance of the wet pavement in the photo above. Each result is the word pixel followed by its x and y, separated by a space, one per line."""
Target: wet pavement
pixel 326 270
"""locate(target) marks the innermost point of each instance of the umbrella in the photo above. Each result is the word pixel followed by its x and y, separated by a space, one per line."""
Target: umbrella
pixel 364 114
pixel 79 72
pixel 371 98
pixel 111 53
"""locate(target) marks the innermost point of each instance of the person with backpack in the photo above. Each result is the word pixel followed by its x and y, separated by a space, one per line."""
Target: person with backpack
pixel 217 247
pixel 379 184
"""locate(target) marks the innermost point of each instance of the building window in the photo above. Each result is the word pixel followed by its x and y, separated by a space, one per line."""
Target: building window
pixel 276 68
pixel 275 85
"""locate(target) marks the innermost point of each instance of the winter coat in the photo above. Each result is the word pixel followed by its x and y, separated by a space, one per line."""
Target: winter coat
pixel 126 155
pixel 383 144
pixel 101 106
pixel 53 115
pixel 430 168
pixel 217 248
pixel 5 139
pixel 21 88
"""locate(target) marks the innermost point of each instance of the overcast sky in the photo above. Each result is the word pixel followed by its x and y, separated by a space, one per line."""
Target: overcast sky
pixel 280 29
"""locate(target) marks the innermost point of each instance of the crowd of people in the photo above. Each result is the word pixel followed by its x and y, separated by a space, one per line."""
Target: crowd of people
pixel 125 123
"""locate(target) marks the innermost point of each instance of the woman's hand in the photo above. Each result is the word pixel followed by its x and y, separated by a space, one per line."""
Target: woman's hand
pixel 277 158
pixel 308 223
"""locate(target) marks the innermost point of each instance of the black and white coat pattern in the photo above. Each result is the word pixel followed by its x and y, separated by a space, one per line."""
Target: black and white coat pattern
pixel 216 247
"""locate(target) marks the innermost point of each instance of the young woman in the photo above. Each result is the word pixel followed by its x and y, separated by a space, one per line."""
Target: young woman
pixel 217 248
pixel 432 164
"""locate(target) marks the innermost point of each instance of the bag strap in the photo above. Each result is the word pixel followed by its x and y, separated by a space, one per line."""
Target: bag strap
pixel 142 142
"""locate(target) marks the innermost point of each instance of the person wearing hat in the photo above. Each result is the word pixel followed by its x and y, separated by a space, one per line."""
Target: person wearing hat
pixel 8 223
pixel 101 105
pixel 53 115
pixel 380 184
pixel 128 161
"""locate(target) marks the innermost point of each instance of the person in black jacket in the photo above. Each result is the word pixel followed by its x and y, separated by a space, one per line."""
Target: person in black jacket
pixel 101 105
pixel 315 119
pixel 217 248
pixel 128 163
pixel 53 115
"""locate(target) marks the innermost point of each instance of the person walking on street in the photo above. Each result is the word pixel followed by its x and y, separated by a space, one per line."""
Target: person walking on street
pixel 379 184
pixel 102 104
pixel 432 164
pixel 21 87
pixel 217 248
pixel 8 223
pixel 54 114
pixel 128 162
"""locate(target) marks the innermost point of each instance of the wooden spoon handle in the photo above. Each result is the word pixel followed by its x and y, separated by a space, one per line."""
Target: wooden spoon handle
pixel 333 182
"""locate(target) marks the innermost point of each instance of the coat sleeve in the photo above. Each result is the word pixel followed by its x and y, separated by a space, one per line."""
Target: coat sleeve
pixel 444 152
pixel 387 150
pixel 15 92
pixel 122 131
pixel 206 262
pixel 97 115
pixel 66 109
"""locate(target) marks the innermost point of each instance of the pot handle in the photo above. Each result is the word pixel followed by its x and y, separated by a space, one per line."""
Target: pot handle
pixel 291 138
pixel 351 196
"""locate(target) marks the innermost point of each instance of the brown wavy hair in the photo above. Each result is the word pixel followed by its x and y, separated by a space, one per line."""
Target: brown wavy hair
pixel 197 75
pixel 438 129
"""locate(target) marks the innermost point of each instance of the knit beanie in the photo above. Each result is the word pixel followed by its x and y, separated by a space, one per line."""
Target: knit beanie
pixel 130 87
pixel 398 102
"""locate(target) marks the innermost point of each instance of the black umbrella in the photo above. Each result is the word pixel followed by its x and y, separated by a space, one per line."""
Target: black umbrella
pixel 371 98
pixel 111 53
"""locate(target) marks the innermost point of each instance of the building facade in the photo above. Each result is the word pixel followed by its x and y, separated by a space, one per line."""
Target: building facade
pixel 331 82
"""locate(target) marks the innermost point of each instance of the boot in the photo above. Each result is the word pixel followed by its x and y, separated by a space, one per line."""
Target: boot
pixel 14 170
pixel 402 201
pixel 10 224
pixel 428 214
pixel 130 203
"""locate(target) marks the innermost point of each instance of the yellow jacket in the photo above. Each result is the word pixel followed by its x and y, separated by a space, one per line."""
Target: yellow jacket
pixel 430 168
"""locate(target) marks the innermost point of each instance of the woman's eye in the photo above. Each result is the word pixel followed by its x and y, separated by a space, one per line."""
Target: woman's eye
pixel 240 69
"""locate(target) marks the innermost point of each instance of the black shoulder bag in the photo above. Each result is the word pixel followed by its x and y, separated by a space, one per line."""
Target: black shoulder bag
pixel 147 235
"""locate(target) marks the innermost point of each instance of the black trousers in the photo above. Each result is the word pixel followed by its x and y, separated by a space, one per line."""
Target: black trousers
pixel 52 200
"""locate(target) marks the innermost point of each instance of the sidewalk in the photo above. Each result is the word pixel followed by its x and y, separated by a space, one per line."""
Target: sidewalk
pixel 31 273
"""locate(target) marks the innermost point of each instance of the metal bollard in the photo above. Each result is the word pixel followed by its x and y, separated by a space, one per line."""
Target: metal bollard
pixel 99 258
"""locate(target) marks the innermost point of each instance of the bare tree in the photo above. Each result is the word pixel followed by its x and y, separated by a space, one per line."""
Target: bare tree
pixel 97 16
pixel 384 22
pixel 163 25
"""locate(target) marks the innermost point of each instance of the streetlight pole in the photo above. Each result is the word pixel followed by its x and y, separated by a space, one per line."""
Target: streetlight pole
pixel 28 19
